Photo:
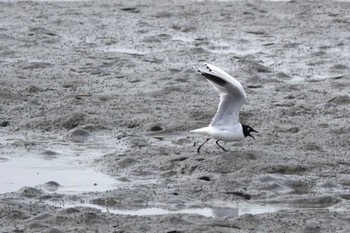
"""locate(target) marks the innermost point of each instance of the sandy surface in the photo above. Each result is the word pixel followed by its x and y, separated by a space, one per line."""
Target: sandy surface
pixel 111 86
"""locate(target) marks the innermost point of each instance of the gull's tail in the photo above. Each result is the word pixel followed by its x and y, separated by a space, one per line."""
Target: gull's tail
pixel 204 130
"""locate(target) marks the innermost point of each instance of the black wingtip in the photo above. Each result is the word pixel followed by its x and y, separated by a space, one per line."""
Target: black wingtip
pixel 206 66
pixel 211 77
pixel 215 79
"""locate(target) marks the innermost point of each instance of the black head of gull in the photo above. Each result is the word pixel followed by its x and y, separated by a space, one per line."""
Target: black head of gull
pixel 247 130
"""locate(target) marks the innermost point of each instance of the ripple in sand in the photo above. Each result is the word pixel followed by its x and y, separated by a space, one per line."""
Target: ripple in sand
pixel 78 135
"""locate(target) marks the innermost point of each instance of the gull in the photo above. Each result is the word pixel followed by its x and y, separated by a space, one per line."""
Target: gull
pixel 225 125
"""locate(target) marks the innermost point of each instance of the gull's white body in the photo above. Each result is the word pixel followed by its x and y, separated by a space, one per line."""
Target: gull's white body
pixel 228 134
pixel 225 125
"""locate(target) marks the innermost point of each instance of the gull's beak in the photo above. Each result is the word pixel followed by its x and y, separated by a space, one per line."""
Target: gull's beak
pixel 254 132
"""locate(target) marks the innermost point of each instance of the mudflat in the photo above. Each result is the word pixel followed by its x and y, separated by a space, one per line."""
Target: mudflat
pixel 97 99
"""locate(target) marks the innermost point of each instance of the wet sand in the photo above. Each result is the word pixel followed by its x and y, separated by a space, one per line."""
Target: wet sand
pixel 107 90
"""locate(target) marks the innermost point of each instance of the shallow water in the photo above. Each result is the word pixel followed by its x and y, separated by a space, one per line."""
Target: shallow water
pixel 216 212
pixel 34 159
pixel 125 50
pixel 30 171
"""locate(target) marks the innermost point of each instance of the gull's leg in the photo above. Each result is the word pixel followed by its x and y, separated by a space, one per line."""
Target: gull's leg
pixel 217 143
pixel 202 145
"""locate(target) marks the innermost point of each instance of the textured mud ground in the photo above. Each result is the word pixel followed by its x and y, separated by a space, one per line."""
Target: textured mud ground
pixel 122 75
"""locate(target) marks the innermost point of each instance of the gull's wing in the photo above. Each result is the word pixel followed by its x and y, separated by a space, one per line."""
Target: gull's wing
pixel 232 95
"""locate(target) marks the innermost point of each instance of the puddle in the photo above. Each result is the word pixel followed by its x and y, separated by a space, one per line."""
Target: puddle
pixel 214 212
pixel 225 51
pixel 125 51
pixel 35 159
pixel 182 39
pixel 30 171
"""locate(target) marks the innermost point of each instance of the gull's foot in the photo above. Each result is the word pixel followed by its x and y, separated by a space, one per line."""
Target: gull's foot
pixel 217 143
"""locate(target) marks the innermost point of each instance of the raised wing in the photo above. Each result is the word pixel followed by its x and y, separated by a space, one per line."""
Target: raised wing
pixel 232 95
